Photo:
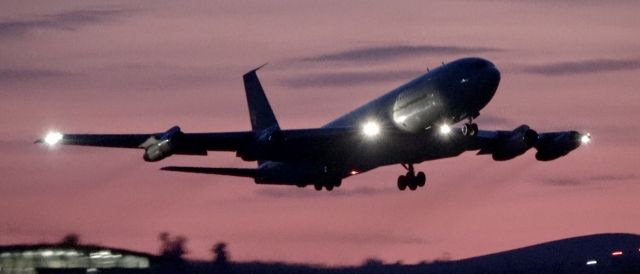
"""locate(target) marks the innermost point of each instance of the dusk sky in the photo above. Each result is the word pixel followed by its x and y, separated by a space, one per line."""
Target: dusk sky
pixel 144 66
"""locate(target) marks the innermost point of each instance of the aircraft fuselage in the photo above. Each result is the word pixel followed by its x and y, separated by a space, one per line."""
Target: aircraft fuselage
pixel 449 93
pixel 405 116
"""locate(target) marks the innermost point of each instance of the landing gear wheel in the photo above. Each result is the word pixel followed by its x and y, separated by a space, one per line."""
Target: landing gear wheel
pixel 470 129
pixel 411 179
pixel 421 179
pixel 329 186
pixel 413 186
pixel 402 182
pixel 318 187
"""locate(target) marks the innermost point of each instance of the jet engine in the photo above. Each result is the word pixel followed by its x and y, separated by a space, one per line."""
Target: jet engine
pixel 515 143
pixel 554 145
pixel 158 149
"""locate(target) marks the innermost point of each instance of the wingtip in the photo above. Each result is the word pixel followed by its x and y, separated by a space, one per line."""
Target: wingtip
pixel 259 67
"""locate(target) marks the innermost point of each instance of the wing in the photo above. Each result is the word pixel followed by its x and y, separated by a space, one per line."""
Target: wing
pixel 99 140
pixel 157 145
pixel 217 141
pixel 506 145
pixel 250 145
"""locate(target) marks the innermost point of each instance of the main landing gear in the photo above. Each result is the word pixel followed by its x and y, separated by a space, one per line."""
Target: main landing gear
pixel 411 179
pixel 470 128
pixel 329 185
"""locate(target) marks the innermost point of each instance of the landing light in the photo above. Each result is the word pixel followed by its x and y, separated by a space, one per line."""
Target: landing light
pixel 585 139
pixel 592 262
pixel 445 129
pixel 53 138
pixel 371 129
pixel 616 253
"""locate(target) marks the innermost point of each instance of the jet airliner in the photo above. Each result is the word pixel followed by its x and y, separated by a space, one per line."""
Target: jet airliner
pixel 408 125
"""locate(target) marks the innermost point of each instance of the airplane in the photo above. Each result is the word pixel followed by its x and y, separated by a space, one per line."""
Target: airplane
pixel 408 125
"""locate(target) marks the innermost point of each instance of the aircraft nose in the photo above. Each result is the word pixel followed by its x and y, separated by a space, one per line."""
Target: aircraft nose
pixel 487 73
pixel 492 75
pixel 487 83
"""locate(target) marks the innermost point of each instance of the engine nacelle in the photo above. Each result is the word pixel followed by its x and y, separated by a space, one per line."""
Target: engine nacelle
pixel 158 149
pixel 551 146
pixel 515 143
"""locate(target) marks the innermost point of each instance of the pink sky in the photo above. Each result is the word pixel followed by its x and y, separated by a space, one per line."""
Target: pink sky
pixel 95 67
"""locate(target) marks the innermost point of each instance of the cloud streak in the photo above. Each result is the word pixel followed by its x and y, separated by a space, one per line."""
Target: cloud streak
pixel 583 67
pixel 357 238
pixel 351 78
pixel 493 120
pixel 587 181
pixel 119 76
pixel 392 52
pixel 309 193
pixel 373 239
pixel 370 54
pixel 8 75
pixel 68 20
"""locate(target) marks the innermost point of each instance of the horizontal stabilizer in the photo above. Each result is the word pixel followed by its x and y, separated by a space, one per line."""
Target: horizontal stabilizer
pixel 240 172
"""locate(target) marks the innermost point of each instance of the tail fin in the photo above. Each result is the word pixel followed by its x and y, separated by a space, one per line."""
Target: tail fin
pixel 260 111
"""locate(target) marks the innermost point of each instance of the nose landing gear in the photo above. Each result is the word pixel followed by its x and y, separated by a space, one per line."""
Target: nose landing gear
pixel 411 179
pixel 470 128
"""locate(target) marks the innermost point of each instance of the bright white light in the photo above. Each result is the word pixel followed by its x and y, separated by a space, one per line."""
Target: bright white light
pixel 53 138
pixel 585 139
pixel 445 129
pixel 101 254
pixel 592 262
pixel 401 119
pixel 371 129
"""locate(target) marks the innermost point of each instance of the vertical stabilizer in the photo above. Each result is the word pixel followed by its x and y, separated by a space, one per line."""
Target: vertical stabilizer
pixel 260 111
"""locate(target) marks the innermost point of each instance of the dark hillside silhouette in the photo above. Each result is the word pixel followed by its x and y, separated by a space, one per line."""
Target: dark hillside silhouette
pixel 607 253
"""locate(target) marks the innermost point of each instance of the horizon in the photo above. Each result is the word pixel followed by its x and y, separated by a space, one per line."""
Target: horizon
pixel 79 242
pixel 91 67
